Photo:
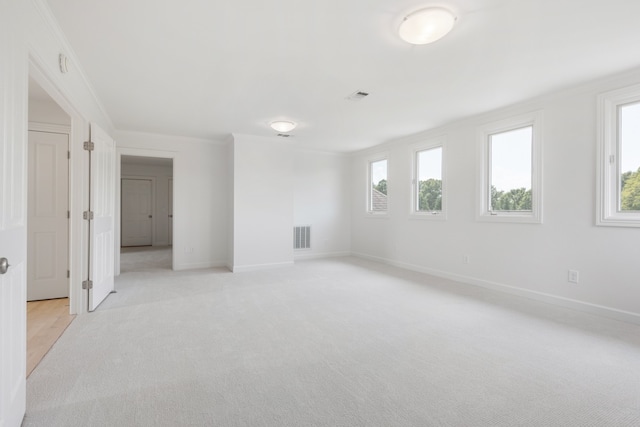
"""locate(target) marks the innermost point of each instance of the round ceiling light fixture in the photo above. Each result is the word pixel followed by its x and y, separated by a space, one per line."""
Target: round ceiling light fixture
pixel 282 126
pixel 426 25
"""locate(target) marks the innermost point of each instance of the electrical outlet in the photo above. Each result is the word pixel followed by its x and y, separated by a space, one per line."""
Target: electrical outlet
pixel 465 259
pixel 573 276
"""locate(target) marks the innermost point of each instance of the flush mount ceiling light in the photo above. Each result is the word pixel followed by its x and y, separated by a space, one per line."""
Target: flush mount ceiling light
pixel 426 25
pixel 282 126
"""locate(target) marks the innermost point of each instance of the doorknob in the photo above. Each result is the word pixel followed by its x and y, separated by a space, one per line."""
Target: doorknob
pixel 4 265
pixel 170 216
pixel 150 216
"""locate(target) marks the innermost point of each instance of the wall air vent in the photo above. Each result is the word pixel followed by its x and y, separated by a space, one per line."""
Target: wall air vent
pixel 357 96
pixel 302 237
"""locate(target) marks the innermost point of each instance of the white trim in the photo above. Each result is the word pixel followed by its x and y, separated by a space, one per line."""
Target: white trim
pixel 430 144
pixel 200 265
pixel 256 267
pixel 607 191
pixel 533 119
pixel 50 128
pixel 595 309
pixel 320 255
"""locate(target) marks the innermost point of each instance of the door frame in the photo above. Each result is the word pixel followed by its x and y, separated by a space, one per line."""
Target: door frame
pixel 78 187
pixel 153 203
pixel 140 152
pixel 63 130
pixel 170 193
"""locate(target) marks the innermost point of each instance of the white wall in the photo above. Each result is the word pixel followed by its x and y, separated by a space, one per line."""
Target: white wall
pixel 262 202
pixel 42 111
pixel 322 199
pixel 528 259
pixel 200 175
pixel 161 176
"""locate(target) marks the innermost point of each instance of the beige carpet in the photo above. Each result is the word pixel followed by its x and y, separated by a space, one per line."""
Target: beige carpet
pixel 340 342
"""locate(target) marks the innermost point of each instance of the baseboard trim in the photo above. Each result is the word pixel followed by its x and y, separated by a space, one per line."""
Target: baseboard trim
pixel 320 255
pixel 600 310
pixel 200 265
pixel 254 267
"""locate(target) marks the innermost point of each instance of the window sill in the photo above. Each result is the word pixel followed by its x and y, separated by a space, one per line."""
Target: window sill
pixel 619 221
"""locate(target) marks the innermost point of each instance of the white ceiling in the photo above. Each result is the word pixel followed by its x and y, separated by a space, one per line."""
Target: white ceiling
pixel 209 68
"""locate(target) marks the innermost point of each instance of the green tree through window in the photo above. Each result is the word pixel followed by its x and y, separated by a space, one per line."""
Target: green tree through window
pixel 430 195
pixel 517 199
pixel 630 194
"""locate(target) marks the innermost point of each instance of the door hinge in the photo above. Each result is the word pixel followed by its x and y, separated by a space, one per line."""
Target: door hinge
pixel 68 214
pixel 68 154
pixel 87 215
pixel 88 145
pixel 68 274
pixel 87 284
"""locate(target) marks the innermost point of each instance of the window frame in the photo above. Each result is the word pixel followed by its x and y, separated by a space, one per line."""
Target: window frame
pixel 370 161
pixel 416 149
pixel 608 189
pixel 483 213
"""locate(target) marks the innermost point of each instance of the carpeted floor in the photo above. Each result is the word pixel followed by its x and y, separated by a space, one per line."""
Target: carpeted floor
pixel 340 342
pixel 145 258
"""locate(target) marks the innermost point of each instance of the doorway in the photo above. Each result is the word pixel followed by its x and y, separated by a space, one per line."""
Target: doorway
pixel 48 207
pixel 146 213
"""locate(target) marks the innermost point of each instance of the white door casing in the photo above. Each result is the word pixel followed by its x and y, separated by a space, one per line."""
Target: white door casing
pixel 137 210
pixel 101 228
pixel 48 222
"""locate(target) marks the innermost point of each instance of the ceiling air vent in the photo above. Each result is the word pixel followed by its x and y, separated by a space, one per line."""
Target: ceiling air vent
pixel 284 135
pixel 357 96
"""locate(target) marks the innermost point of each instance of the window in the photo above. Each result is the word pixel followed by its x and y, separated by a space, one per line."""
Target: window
pixel 510 174
pixel 619 140
pixel 377 192
pixel 428 191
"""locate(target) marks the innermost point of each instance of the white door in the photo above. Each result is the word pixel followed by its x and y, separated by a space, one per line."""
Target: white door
pixel 48 223
pixel 170 211
pixel 13 252
pixel 136 212
pixel 102 204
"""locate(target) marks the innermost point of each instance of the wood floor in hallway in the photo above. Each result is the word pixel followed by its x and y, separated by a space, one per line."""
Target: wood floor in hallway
pixel 46 321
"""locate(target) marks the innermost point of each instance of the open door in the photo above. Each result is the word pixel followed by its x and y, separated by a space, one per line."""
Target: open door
pixel 13 256
pixel 102 154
